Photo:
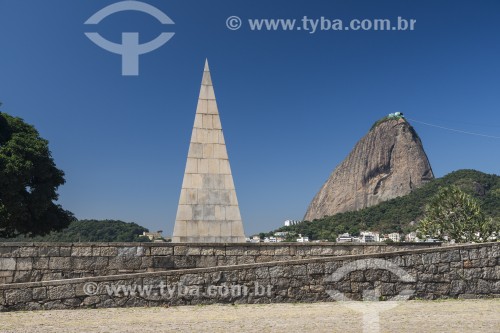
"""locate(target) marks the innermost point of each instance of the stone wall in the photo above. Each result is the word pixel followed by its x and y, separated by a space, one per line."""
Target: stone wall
pixel 456 271
pixel 30 262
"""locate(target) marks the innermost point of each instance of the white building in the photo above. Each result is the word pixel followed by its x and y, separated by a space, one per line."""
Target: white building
pixel 288 223
pixel 302 239
pixel 369 237
pixel 344 238
pixel 153 236
pixel 255 239
pixel 395 237
pixel 412 237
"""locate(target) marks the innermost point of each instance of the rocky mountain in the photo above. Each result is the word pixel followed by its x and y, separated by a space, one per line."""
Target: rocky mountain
pixel 386 163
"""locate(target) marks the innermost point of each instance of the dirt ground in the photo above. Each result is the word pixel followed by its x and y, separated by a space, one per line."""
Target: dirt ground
pixel 413 316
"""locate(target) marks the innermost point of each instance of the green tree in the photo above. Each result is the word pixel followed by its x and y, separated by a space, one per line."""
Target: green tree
pixel 455 215
pixel 28 182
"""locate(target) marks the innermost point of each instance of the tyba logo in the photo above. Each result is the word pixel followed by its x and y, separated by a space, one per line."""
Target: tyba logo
pixel 130 49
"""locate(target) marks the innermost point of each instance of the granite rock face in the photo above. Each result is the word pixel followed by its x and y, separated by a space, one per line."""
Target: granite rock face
pixel 386 163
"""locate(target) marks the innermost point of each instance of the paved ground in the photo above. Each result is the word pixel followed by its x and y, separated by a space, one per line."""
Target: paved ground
pixel 413 316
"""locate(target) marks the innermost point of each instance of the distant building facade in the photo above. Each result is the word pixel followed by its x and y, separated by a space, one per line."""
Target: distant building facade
pixel 288 223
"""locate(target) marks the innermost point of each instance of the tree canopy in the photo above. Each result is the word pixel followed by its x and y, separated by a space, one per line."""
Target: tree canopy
pixel 29 180
pixel 455 215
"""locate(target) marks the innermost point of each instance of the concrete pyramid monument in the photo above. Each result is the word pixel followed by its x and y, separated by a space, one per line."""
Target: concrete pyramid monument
pixel 208 210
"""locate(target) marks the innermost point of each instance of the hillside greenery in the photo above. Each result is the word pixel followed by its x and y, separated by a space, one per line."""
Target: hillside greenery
pixel 91 231
pixel 403 214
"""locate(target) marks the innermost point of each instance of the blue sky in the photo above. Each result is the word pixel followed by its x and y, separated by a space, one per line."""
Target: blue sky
pixel 292 104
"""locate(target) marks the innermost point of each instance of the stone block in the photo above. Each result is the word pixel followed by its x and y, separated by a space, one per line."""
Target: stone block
pixel 235 250
pixel 26 252
pixel 96 251
pixel 180 250
pixel 277 272
pixel 315 268
pixel 25 276
pixel 264 258
pixel 83 263
pixel 202 106
pixel 65 251
pixel 206 261
pixel 184 262
pixel 304 251
pixel 191 165
pixel 184 212
pixel 450 256
pixel 193 250
pixel 5 251
pixel 39 293
pixel 162 251
pixel 49 251
pixel 127 251
pixel 109 251
pixel 214 136
pixel 24 264
pixel 267 250
pixel 212 107
pixel 371 249
pixel 91 300
pixel 464 254
pixel 60 263
pixel 7 264
pixel 457 287
pixel 141 251
pixel 52 276
pixel 246 259
pixel 491 273
pixel 208 213
pixel 202 166
pixel 194 181
pixel 228 182
pixel 214 228
pixel 262 273
pixel 81 251
pixel 220 212
pixel 298 270
pixel 163 262
pixel 54 305
pixel 191 196
pixel 219 250
pixel 208 152
pixel 387 289
pixel 18 296
pixel 483 287
pixel 227 260
pixel 220 152
pixel 195 150
pixel 233 213
pixel 224 167
pixel 41 263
